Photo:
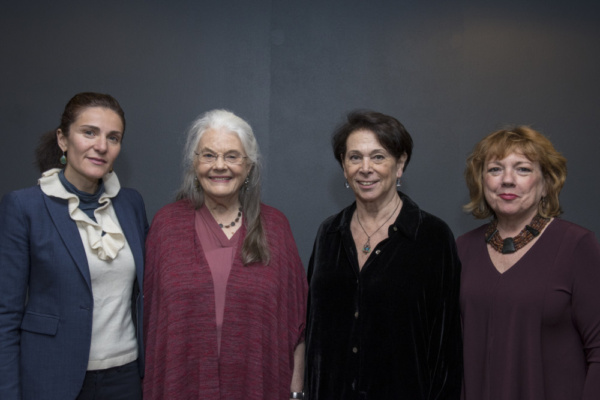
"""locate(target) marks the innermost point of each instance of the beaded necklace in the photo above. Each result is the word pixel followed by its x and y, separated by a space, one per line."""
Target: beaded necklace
pixel 510 245
pixel 235 221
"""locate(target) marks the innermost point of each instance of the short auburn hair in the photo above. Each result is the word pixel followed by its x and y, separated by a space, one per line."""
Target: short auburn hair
pixel 528 142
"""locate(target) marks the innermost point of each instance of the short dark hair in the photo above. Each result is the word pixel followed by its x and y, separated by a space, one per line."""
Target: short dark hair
pixel 47 153
pixel 389 132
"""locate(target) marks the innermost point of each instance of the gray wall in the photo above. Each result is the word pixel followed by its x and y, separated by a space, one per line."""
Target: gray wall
pixel 451 71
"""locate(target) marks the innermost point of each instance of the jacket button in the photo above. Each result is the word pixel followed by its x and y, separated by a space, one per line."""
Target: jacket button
pixel 356 315
pixel 377 252
pixel 355 350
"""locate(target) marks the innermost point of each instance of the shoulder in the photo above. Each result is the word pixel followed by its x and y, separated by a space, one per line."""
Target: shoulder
pixel 569 234
pixel 170 224
pixel 418 223
pixel 570 228
pixel 271 214
pixel 131 200
pixel 432 222
pixel 129 194
pixel 173 213
pixel 336 222
pixel 275 222
pixel 471 236
pixel 28 198
pixel 178 209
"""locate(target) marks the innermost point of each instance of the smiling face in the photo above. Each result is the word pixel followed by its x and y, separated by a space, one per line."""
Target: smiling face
pixel 221 181
pixel 91 146
pixel 370 169
pixel 513 187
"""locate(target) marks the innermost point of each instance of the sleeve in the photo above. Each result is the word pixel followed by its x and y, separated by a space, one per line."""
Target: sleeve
pixel 162 234
pixel 298 286
pixel 586 308
pixel 14 275
pixel 151 286
pixel 445 354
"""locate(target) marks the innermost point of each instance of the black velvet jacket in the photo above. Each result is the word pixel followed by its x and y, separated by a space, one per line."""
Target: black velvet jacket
pixel 391 330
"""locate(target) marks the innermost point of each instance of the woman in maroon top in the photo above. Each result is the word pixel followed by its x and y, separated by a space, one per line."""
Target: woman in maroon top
pixel 530 287
pixel 225 288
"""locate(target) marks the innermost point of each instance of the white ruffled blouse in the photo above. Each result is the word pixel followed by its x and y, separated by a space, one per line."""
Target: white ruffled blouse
pixel 105 246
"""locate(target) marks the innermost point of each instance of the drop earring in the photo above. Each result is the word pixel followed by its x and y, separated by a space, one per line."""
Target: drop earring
pixel 346 184
pixel 63 159
pixel 398 183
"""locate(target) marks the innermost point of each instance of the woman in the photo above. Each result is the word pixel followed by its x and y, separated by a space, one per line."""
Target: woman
pixel 225 288
pixel 71 261
pixel 383 319
pixel 530 281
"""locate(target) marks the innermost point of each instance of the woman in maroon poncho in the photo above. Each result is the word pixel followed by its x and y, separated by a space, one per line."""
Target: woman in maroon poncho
pixel 530 287
pixel 225 290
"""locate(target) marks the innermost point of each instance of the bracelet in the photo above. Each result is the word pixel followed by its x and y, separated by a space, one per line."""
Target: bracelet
pixel 297 395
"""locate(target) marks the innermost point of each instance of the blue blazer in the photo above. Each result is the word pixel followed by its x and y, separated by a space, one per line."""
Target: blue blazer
pixel 46 302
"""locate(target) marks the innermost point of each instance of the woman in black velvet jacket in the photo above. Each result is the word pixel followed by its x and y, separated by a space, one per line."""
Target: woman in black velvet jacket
pixel 383 316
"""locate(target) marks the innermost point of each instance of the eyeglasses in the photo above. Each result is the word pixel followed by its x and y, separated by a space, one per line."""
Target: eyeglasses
pixel 375 158
pixel 229 158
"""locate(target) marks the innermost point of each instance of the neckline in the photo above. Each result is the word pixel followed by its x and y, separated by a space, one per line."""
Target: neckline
pixel 212 224
pixel 525 254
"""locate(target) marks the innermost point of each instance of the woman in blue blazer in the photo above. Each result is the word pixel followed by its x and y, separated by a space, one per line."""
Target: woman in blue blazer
pixel 71 267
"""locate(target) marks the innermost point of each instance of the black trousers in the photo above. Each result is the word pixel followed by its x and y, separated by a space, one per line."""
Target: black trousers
pixel 118 383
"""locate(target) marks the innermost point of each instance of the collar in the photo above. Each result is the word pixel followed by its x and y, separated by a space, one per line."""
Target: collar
pixel 105 236
pixel 51 186
pixel 407 223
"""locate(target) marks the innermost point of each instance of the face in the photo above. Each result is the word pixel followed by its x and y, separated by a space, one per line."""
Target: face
pixel 221 181
pixel 370 169
pixel 513 186
pixel 91 146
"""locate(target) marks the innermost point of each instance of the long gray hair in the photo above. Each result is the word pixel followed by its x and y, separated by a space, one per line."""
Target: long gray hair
pixel 255 247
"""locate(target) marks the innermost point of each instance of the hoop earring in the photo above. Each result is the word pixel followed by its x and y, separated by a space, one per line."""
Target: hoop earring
pixel 63 159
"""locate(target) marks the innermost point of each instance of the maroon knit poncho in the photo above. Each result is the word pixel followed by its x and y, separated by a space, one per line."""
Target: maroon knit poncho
pixel 263 320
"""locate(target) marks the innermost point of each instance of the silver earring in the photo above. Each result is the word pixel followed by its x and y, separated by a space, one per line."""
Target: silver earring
pixel 346 184
pixel 398 182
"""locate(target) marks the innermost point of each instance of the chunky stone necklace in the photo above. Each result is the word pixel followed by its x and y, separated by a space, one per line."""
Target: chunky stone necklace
pixel 235 221
pixel 367 246
pixel 510 245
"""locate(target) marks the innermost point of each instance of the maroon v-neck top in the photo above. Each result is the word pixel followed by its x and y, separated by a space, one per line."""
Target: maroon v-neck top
pixel 532 332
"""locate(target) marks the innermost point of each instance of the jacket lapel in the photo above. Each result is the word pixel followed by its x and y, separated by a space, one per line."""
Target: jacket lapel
pixel 69 233
pixel 132 234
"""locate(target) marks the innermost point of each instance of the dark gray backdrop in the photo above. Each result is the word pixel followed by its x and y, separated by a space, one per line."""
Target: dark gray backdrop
pixel 451 71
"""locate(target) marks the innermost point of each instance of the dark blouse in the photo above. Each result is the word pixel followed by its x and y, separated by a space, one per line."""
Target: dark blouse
pixel 392 329
pixel 533 332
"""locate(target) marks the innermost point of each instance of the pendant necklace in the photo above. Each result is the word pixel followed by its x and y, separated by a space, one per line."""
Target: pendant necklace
pixel 235 221
pixel 510 245
pixel 367 246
